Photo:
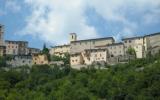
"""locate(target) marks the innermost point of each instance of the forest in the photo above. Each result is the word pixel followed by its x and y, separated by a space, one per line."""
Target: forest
pixel 136 80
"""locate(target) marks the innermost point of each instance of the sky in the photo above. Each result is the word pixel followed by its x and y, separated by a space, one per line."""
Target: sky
pixel 51 21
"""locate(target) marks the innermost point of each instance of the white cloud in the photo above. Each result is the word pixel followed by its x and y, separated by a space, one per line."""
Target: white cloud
pixel 12 5
pixel 52 20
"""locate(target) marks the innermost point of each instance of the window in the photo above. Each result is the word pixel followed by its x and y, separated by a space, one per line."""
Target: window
pixel 130 41
pixel 95 55
pixel 100 55
pixel 125 41
pixel 93 42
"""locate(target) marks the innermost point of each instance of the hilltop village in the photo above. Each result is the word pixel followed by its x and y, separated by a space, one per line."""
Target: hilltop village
pixel 83 52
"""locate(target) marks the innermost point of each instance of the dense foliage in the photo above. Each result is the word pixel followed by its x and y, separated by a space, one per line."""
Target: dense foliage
pixel 137 80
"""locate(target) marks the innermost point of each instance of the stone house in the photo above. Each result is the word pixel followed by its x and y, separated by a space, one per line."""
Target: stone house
pixel 20 60
pixel 16 47
pixel 40 59
pixel 33 51
pixel 137 43
pixel 60 50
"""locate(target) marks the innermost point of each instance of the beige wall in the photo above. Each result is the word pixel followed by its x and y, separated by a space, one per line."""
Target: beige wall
pixel 76 59
pixel 2 50
pixel 152 40
pixel 136 43
pixel 152 43
pixel 95 55
pixel 39 59
pixel 87 57
pixel 16 47
pixel 11 48
pixel 80 46
pixel 116 50
pixel 60 50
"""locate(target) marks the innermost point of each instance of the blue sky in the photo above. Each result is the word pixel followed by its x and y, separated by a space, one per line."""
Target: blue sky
pixel 51 21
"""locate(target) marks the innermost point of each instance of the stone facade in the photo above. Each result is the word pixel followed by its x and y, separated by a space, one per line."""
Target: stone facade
pixel 76 59
pixel 60 50
pixel 40 59
pixel 95 55
pixel 2 50
pixel 1 35
pixel 152 43
pixel 137 43
pixel 81 45
pixel 33 51
pixel 16 47
pixel 116 49
pixel 20 60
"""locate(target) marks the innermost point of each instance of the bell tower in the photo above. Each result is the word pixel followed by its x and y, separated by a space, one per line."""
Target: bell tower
pixel 73 37
pixel 1 34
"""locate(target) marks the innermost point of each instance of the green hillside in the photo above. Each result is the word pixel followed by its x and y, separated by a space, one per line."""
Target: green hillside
pixel 137 80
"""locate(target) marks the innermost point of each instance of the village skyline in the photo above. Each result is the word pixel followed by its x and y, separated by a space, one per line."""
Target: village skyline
pixel 51 21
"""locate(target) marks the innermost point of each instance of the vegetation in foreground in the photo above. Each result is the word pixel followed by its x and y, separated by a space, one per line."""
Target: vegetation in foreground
pixel 137 80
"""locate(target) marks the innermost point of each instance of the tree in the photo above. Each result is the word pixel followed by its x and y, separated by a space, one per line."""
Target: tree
pixel 131 51
pixel 46 52
pixel 2 61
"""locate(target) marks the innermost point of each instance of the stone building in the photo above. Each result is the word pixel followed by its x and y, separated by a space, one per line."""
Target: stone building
pixel 2 46
pixel 2 50
pixel 16 47
pixel 76 59
pixel 60 50
pixel 1 35
pixel 20 60
pixel 137 43
pixel 40 59
pixel 115 49
pixel 81 45
pixel 152 43
pixel 33 51
pixel 95 55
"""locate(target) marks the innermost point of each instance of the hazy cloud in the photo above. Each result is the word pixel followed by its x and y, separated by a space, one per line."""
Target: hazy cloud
pixel 12 6
pixel 52 20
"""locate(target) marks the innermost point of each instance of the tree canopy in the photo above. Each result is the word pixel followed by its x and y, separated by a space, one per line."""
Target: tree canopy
pixel 137 80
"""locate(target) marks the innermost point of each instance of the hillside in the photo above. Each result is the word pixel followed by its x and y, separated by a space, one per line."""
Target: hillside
pixel 137 80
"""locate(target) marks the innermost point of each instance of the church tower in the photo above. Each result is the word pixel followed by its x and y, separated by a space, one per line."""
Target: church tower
pixel 1 34
pixel 73 37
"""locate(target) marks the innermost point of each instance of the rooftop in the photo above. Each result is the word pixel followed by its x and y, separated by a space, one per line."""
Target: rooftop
pixel 115 44
pixel 96 39
pixel 158 33
pixel 132 38
pixel 16 41
pixel 66 45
